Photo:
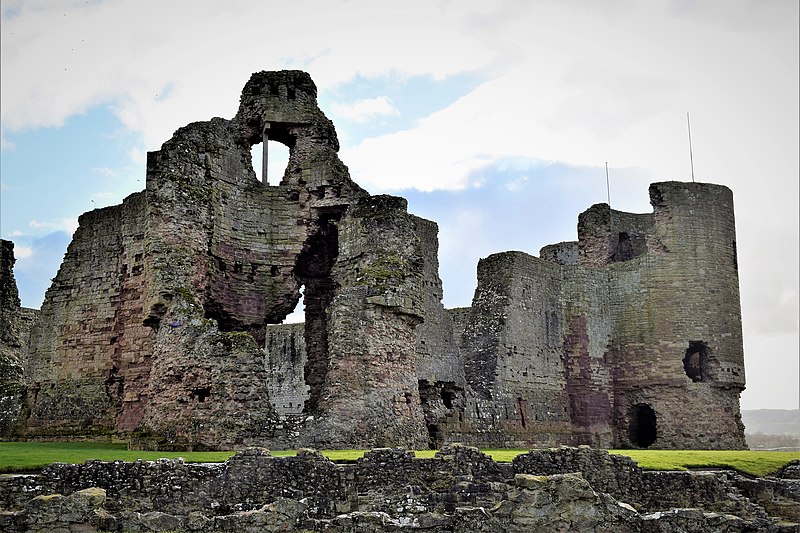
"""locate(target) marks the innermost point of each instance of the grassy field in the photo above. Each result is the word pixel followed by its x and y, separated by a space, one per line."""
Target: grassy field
pixel 26 456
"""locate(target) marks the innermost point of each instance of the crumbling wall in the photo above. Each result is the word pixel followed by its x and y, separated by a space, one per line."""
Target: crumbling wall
pixel 458 490
pixel 440 370
pixel 205 248
pixel 13 341
pixel 512 349
pixel 633 333
pixel 89 349
pixel 607 236
pixel 585 301
pixel 562 253
pixel 370 393
pixel 285 361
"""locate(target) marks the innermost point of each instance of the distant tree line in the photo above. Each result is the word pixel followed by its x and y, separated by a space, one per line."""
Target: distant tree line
pixel 760 441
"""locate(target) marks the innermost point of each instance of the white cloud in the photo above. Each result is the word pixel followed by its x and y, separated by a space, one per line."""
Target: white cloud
pixel 16 233
pixel 22 252
pixel 68 224
pixel 366 109
pixel 5 144
pixel 105 171
pixel 103 195
pixel 113 52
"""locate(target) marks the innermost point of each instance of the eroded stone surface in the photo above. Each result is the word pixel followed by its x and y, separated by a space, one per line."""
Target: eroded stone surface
pixel 162 324
pixel 459 490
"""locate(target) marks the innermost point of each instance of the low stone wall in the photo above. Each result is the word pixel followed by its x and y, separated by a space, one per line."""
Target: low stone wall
pixel 459 490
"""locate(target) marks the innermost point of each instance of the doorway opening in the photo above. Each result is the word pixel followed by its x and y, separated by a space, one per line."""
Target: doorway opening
pixel 642 426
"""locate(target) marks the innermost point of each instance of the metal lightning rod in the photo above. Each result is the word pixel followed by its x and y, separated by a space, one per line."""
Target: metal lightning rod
pixel 691 158
pixel 608 187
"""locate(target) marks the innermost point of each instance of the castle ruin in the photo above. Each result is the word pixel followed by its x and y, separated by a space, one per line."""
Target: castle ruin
pixel 163 324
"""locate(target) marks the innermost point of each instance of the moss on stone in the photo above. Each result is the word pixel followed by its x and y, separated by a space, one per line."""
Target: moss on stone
pixel 388 267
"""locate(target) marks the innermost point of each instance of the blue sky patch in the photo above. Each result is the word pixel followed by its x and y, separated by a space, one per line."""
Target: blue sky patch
pixel 414 98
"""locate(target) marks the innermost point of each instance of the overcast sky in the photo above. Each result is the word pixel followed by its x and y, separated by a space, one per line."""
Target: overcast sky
pixel 494 119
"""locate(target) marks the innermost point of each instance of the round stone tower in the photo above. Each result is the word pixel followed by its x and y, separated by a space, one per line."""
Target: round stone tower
pixel 677 357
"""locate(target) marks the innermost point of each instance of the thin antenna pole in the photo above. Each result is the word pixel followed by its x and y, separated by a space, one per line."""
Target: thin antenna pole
pixel 608 187
pixel 691 157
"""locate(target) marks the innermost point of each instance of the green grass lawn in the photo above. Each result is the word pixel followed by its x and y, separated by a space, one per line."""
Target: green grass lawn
pixel 25 456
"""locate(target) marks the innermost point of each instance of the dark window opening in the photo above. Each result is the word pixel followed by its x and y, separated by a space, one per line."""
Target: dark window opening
pixel 695 361
pixel 447 397
pixel 201 394
pixel 521 407
pixel 624 248
pixel 408 397
pixel 642 426
pixel 434 437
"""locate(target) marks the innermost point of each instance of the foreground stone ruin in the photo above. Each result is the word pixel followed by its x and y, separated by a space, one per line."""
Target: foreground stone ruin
pixel 460 490
pixel 163 324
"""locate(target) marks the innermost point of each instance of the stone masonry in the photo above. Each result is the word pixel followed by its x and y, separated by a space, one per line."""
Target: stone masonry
pixel 163 324
pixel 458 490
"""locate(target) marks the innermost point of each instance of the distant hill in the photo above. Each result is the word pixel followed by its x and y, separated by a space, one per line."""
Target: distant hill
pixel 772 421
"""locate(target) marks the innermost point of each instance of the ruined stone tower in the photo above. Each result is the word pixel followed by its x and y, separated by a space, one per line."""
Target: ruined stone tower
pixel 163 323
pixel 630 337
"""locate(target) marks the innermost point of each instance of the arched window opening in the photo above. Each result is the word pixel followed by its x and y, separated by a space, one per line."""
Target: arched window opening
pixel 642 425
pixel 695 361
pixel 298 315
pixel 277 158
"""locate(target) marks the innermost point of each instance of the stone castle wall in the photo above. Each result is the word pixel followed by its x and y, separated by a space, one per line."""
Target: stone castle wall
pixel 630 345
pixel 15 323
pixel 163 322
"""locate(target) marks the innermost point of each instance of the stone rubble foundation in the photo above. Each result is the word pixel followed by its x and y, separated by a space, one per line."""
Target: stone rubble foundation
pixel 459 490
